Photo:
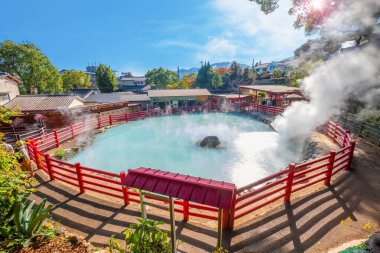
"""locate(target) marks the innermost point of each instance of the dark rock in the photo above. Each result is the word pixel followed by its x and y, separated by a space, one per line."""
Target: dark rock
pixel 209 142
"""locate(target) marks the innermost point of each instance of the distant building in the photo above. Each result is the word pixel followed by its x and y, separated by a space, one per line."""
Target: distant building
pixel 178 97
pixel 62 110
pixel 269 67
pixel 117 97
pixel 83 93
pixel 128 82
pixel 8 87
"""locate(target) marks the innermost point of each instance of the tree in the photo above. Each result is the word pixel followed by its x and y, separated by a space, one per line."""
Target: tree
pixel 189 80
pixel 205 76
pixel 221 71
pixel 161 77
pixel 73 79
pixel 249 76
pixel 277 73
pixel 267 6
pixel 217 81
pixel 236 71
pixel 31 66
pixel 105 79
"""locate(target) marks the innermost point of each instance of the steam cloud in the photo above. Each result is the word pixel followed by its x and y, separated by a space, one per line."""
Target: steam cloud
pixel 331 83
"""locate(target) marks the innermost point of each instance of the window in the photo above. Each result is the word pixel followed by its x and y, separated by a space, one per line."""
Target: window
pixel 4 96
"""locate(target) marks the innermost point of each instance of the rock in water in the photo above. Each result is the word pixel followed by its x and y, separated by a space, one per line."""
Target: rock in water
pixel 210 142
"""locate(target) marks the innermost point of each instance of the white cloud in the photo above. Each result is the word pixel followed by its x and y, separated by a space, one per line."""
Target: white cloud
pixel 218 49
pixel 240 31
pixel 271 37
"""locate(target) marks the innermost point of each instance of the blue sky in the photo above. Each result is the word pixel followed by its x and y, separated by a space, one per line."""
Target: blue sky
pixel 139 35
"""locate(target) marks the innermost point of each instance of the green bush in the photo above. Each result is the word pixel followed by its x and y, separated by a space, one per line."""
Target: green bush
pixel 144 237
pixel 60 154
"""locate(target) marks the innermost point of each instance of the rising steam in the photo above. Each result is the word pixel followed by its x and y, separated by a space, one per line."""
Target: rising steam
pixel 333 82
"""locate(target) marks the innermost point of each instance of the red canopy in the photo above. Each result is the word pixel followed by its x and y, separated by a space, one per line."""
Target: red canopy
pixel 204 191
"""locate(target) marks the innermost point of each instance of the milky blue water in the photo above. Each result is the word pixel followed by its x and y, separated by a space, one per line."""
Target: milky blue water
pixel 169 143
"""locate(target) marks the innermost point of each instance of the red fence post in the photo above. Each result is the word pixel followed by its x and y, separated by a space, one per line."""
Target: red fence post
pixel 56 139
pixel 48 166
pixel 110 119
pixel 36 156
pixel 125 189
pixel 72 130
pixel 352 149
pixel 80 177
pixel 126 117
pixel 225 218
pixel 330 167
pixel 289 182
pixel 231 218
pixel 185 205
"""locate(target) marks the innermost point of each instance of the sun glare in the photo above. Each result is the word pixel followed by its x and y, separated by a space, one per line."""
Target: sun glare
pixel 317 4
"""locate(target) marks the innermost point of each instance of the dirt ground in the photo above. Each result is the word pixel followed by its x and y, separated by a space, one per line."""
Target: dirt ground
pixel 317 219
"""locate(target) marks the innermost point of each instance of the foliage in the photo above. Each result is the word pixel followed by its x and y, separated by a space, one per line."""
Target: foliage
pixel 262 94
pixel 277 73
pixel 73 79
pixel 60 153
pixel 221 250
pixel 267 6
pixel 205 76
pixel 236 71
pixel 217 81
pixel 303 70
pixel 161 77
pixel 7 114
pixel 186 82
pixel 24 223
pixel 189 80
pixel 222 71
pixel 249 76
pixel 144 237
pixel 105 79
pixel 26 62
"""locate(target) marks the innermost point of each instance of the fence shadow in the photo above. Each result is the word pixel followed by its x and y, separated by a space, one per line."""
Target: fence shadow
pixel 97 220
pixel 299 225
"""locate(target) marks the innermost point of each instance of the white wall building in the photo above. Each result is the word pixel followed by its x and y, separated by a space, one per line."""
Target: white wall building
pixel 8 87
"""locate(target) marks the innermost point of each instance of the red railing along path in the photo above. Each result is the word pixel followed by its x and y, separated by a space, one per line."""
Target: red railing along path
pixel 246 200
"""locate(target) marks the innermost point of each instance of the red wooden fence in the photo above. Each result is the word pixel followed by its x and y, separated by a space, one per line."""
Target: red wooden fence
pixel 246 200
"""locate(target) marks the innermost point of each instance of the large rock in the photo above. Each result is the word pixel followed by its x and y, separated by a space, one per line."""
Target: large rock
pixel 209 142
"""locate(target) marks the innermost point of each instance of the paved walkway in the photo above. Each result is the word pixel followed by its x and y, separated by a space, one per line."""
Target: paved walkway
pixel 308 224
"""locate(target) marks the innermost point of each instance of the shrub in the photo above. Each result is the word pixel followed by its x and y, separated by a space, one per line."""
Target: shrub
pixel 143 237
pixel 60 154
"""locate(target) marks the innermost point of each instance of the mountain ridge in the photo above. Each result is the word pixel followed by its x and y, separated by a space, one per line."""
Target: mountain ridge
pixel 194 70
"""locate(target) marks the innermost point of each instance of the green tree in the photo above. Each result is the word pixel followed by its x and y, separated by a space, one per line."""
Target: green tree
pixel 249 76
pixel 205 76
pixel 31 66
pixel 217 81
pixel 105 79
pixel 236 71
pixel 73 79
pixel 277 73
pixel 161 77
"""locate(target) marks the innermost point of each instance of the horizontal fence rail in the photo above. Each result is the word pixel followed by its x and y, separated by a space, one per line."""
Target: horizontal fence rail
pixel 367 130
pixel 246 200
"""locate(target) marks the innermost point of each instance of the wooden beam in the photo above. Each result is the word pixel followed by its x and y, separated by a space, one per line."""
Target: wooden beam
pixel 219 242
pixel 142 205
pixel 172 225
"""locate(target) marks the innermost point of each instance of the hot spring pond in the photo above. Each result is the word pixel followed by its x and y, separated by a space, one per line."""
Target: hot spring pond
pixel 169 143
